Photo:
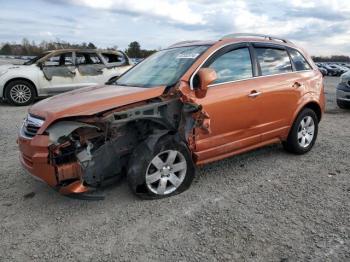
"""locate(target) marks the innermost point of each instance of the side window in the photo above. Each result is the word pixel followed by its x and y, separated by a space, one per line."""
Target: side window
pixel 94 58
pixel 65 59
pixel 233 65
pixel 273 61
pixel 299 61
pixel 87 59
pixel 114 58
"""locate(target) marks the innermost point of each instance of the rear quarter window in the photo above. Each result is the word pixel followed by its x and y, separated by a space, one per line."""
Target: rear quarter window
pixel 114 58
pixel 299 61
pixel 273 61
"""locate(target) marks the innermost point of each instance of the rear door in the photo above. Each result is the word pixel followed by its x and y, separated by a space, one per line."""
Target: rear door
pixel 304 75
pixel 278 90
pixel 233 115
pixel 91 69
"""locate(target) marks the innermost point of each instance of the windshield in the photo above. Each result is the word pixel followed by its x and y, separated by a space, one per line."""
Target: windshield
pixel 33 60
pixel 163 68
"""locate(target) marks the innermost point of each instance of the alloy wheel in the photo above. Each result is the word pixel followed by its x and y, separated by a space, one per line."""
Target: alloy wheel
pixel 306 131
pixel 166 172
pixel 20 93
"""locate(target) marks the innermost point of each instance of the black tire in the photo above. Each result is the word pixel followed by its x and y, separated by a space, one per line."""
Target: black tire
pixel 141 161
pixel 25 84
pixel 292 144
pixel 343 105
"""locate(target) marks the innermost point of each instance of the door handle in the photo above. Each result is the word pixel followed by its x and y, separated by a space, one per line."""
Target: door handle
pixel 297 85
pixel 254 93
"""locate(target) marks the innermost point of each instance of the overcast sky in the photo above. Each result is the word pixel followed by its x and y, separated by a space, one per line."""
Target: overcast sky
pixel 321 27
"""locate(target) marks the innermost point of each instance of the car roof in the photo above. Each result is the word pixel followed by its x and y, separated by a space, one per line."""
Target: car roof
pixel 237 38
pixel 60 51
pixel 83 50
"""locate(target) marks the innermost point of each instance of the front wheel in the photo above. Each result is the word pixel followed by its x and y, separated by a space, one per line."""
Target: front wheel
pixel 160 170
pixel 303 133
pixel 20 93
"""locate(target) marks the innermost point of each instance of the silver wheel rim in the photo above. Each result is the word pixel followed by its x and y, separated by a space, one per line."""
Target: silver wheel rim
pixel 20 93
pixel 166 172
pixel 306 131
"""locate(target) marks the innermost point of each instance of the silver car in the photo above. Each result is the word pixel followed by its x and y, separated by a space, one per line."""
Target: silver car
pixel 343 91
pixel 59 71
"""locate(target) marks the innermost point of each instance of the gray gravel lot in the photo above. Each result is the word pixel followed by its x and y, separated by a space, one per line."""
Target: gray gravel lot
pixel 265 205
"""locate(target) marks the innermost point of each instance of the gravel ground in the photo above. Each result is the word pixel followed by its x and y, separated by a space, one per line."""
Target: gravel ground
pixel 265 205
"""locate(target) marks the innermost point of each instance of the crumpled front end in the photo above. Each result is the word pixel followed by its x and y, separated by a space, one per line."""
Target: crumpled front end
pixel 79 154
pixel 36 157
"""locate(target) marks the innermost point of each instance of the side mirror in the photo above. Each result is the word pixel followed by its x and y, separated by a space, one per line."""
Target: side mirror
pixel 202 80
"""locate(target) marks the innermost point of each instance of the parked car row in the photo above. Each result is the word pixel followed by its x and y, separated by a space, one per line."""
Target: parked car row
pixel 343 88
pixel 333 69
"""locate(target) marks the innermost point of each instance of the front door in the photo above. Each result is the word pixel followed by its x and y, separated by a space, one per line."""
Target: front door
pixel 231 104
pixel 58 74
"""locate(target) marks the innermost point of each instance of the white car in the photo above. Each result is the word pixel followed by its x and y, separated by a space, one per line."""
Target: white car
pixel 59 71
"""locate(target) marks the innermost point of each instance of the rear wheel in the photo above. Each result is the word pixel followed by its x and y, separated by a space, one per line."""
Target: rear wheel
pixel 164 170
pixel 303 133
pixel 20 93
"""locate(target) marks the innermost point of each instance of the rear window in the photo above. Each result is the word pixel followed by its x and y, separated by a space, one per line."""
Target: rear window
pixel 114 58
pixel 299 61
pixel 273 61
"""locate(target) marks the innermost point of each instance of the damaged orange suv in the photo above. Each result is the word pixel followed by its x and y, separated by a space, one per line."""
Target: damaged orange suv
pixel 190 104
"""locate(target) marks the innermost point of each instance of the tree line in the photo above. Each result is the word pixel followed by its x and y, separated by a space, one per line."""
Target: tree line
pixel 134 50
pixel 333 58
pixel 27 48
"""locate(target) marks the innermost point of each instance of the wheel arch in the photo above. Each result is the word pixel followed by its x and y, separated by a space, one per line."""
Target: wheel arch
pixel 313 105
pixel 22 79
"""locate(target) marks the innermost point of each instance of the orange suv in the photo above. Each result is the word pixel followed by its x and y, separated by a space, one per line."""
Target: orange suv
pixel 190 104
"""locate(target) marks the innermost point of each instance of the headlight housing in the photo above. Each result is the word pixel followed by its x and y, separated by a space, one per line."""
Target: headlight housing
pixel 31 125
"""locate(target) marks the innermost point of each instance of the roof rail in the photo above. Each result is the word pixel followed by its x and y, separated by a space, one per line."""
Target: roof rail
pixel 183 42
pixel 269 37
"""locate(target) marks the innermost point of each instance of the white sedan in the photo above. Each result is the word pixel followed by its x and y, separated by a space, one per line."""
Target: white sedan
pixel 59 71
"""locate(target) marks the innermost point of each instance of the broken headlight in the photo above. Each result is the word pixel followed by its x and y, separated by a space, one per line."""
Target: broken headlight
pixel 31 125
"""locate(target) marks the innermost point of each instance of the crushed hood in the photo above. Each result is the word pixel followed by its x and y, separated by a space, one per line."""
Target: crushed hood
pixel 91 100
